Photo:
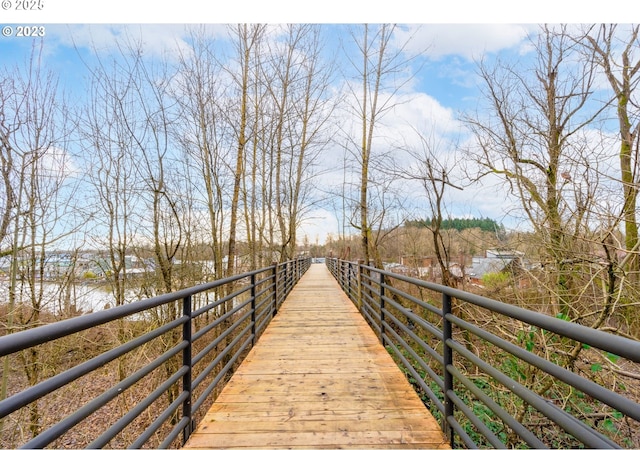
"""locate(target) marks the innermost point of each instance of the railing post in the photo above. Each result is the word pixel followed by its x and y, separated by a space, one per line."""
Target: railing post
pixel 286 278
pixel 275 287
pixel 447 357
pixel 348 281
pixel 186 361
pixel 382 306
pixel 346 277
pixel 253 309
pixel 360 267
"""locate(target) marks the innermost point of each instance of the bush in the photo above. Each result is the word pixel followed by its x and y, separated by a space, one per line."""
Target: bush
pixel 495 280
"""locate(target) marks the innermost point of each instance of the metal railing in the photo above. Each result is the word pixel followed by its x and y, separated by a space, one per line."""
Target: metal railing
pixel 511 390
pixel 202 332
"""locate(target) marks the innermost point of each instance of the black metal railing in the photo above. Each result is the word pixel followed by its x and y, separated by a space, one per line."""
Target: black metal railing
pixel 189 342
pixel 494 374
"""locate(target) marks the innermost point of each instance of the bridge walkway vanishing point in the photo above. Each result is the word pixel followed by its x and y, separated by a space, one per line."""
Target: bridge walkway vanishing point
pixel 318 378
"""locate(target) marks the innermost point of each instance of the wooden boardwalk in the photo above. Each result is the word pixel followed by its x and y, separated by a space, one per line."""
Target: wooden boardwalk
pixel 318 378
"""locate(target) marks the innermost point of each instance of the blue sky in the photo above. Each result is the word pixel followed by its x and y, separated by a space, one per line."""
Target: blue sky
pixel 447 74
pixel 455 36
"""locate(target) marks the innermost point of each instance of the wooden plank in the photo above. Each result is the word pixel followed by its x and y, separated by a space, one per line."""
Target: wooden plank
pixel 328 351
pixel 314 426
pixel 331 439
pixel 308 411
pixel 327 392
pixel 319 366
pixel 328 400
pixel 318 378
pixel 311 380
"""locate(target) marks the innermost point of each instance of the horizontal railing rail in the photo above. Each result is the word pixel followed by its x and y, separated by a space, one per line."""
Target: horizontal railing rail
pixel 510 390
pixel 189 342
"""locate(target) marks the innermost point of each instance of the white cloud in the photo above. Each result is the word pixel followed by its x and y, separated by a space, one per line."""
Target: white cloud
pixel 467 40
pixel 155 39
pixel 418 111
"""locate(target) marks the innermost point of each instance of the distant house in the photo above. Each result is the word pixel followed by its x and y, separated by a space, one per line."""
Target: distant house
pixel 100 266
pixel 400 269
pixel 504 254
pixel 495 261
pixel 419 261
pixel 427 267
pixel 483 266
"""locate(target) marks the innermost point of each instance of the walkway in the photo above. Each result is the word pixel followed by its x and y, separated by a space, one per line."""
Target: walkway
pixel 318 378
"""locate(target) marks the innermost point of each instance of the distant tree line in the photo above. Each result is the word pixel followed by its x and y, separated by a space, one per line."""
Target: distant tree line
pixel 484 224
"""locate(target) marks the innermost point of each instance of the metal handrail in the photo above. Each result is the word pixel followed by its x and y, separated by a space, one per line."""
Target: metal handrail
pixel 237 320
pixel 435 347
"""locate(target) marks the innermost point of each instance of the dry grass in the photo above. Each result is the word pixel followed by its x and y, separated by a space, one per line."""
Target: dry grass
pixel 60 355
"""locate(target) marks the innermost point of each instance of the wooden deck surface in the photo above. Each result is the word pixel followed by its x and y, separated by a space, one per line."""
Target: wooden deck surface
pixel 318 378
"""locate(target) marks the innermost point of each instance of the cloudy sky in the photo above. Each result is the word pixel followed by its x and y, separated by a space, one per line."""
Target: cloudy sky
pixel 455 36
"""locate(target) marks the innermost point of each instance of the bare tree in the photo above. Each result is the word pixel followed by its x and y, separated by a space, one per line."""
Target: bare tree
pixel 615 48
pixel 108 149
pixel 379 78
pixel 202 133
pixel 151 129
pixel 247 41
pixel 39 197
pixel 534 139
pixel 256 185
pixel 299 87
pixel 540 138
pixel 7 128
pixel 431 168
